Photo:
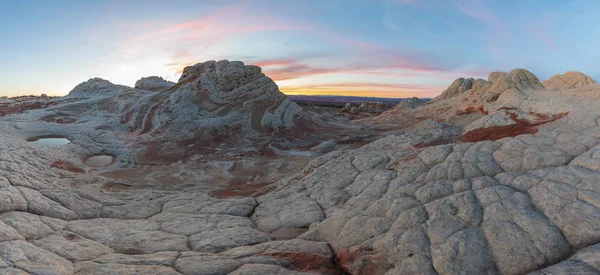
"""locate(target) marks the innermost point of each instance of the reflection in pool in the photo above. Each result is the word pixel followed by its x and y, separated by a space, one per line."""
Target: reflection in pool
pixel 99 160
pixel 50 141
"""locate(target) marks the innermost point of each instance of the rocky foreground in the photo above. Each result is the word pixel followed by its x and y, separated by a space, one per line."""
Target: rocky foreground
pixel 221 173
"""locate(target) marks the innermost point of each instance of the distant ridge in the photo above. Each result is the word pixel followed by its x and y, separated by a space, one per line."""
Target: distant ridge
pixel 342 100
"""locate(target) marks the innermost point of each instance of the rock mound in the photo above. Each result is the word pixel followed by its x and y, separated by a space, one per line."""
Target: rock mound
pixel 495 77
pixel 211 95
pixel 517 80
pixel 99 87
pixel 373 107
pixel 410 103
pixel 568 80
pixel 461 85
pixel 346 108
pixel 153 83
pixel 215 104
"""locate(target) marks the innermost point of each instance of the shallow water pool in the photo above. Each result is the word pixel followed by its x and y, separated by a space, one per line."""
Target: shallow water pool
pixel 50 141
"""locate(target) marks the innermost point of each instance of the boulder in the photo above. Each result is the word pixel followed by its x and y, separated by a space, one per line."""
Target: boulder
pixel 346 108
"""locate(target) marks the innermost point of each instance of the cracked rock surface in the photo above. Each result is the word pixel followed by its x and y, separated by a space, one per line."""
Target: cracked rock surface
pixel 497 176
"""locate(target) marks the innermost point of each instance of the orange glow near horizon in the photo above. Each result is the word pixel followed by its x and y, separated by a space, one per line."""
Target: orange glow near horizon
pixel 366 90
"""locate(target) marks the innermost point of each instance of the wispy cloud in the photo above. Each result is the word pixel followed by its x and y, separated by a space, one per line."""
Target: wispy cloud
pixel 391 58
pixel 210 37
pixel 286 69
pixel 538 29
pixel 197 24
pixel 477 9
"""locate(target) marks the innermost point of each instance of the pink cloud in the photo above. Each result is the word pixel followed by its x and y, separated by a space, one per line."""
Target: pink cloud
pixel 363 58
pixel 283 62
pixel 386 57
pixel 541 34
pixel 285 69
pixel 195 24
pixel 372 85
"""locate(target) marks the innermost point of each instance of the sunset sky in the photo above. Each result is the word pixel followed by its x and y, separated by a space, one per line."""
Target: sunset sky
pixel 385 48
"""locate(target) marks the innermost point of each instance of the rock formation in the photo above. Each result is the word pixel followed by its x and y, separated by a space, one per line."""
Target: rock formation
pixel 410 103
pixel 346 108
pixel 153 83
pixel 229 93
pixel 222 174
pixel 568 80
pixel 214 104
pixel 375 107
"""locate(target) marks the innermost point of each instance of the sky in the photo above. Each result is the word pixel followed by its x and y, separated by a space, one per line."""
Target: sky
pixel 382 48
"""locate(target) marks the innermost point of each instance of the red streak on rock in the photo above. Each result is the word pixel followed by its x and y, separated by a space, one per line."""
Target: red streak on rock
pixel 148 120
pixel 57 119
pixel 157 153
pixel 410 157
pixel 67 166
pixel 65 120
pixel 471 110
pixel 13 108
pixel 520 127
pixel 306 262
pixel 240 188
pixel 127 116
pixel 359 260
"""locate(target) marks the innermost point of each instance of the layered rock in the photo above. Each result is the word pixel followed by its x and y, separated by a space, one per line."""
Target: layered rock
pixel 212 94
pixel 213 103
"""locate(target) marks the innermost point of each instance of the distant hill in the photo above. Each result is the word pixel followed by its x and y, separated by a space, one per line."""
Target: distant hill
pixel 340 101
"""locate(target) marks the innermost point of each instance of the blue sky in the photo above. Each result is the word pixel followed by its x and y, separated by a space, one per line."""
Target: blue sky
pixel 389 48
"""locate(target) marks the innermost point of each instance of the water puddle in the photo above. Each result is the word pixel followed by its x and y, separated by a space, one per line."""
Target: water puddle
pixel 50 141
pixel 99 160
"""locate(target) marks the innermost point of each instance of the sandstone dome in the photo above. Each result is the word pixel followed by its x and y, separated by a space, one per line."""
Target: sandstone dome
pixel 213 94
pixel 568 80
pixel 213 102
